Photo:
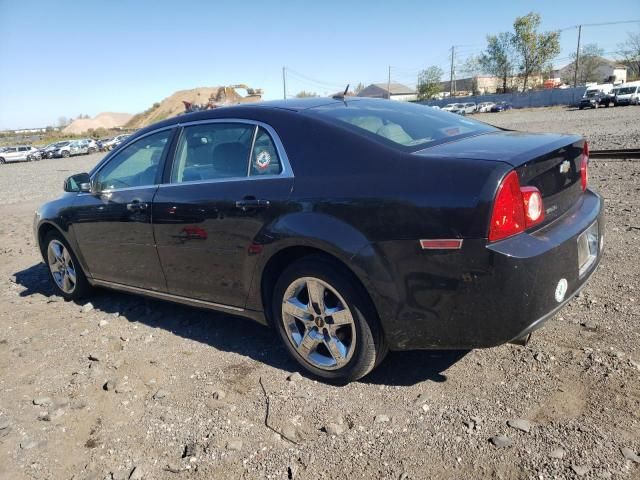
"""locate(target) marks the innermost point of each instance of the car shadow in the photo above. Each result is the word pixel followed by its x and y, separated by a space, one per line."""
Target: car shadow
pixel 237 334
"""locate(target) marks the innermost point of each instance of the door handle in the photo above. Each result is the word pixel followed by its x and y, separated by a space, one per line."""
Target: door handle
pixel 137 206
pixel 250 203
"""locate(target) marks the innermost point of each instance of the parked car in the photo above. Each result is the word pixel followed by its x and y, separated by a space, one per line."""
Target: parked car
pixel 628 94
pixel 62 150
pixel 455 108
pixel 87 145
pixel 34 155
pixel 47 151
pixel 485 107
pixel 469 107
pixel 594 99
pixel 479 235
pixel 20 153
pixel 72 148
pixel 501 107
pixel 597 95
pixel 115 141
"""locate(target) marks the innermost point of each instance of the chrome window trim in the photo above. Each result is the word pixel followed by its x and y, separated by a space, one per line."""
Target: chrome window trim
pixel 286 172
pixel 181 137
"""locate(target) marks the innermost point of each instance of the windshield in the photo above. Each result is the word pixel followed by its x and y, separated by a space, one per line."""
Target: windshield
pixel 399 123
pixel 627 90
pixel 591 93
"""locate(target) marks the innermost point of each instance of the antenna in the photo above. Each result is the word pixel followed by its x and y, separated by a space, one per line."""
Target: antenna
pixel 340 96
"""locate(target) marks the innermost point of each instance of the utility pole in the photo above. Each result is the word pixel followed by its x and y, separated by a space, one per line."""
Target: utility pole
pixel 452 78
pixel 284 84
pixel 389 84
pixel 575 73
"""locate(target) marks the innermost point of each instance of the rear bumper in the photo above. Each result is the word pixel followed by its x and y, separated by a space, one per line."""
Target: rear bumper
pixel 488 294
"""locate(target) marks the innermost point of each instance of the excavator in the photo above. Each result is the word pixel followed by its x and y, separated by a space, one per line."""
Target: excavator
pixel 225 96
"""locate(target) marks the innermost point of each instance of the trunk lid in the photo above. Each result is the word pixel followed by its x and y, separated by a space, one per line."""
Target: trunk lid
pixel 547 161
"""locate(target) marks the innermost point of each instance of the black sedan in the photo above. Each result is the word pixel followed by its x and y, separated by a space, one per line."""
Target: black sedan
pixel 352 226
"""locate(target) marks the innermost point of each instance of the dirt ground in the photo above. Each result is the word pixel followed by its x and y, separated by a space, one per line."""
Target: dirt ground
pixel 136 388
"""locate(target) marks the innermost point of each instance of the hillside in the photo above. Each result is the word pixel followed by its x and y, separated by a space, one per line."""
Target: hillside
pixel 172 105
pixel 102 120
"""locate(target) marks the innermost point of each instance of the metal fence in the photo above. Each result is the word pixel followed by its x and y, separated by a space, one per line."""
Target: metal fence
pixel 534 98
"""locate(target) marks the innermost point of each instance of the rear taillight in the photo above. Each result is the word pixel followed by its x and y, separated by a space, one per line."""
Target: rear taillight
pixel 514 209
pixel 533 208
pixel 584 167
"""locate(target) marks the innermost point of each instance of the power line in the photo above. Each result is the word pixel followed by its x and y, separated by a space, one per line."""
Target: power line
pixel 600 24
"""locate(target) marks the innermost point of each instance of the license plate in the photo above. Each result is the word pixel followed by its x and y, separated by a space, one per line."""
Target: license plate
pixel 587 248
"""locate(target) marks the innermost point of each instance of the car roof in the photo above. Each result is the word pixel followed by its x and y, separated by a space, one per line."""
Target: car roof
pixel 249 110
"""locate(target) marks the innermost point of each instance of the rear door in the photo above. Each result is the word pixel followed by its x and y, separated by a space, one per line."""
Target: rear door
pixel 228 180
pixel 11 154
pixel 112 225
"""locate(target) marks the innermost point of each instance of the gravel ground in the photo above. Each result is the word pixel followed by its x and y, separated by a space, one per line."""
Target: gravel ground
pixel 126 387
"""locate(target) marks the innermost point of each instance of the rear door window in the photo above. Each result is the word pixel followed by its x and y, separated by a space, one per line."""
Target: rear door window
pixel 264 158
pixel 212 151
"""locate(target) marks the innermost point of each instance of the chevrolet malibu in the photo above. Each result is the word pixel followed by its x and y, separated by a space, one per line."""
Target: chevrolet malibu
pixel 352 226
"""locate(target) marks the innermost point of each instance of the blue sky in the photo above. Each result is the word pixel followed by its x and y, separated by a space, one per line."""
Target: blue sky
pixel 64 58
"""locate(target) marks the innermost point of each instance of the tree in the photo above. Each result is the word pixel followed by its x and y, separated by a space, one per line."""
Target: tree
pixel 588 63
pixel 629 51
pixel 535 50
pixel 499 57
pixel 305 94
pixel 471 69
pixel 429 82
pixel 359 88
pixel 63 122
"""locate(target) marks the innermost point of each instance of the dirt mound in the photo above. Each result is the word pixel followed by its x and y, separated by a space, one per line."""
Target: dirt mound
pixel 102 120
pixel 173 105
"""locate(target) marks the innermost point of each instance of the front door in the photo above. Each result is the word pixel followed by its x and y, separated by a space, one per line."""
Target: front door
pixel 112 225
pixel 227 181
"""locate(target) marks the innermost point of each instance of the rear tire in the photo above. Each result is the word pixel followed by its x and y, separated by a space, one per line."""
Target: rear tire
pixel 64 269
pixel 65 154
pixel 2 161
pixel 326 320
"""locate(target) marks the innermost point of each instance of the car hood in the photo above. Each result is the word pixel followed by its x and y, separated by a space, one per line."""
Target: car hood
pixel 514 148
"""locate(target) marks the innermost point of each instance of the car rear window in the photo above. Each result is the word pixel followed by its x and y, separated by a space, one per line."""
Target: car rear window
pixel 407 126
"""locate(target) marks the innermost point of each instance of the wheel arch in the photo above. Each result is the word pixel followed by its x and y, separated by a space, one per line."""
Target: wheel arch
pixel 301 234
pixel 43 230
pixel 286 256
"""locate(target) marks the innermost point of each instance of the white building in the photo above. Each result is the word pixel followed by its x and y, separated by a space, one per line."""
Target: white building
pixel 395 91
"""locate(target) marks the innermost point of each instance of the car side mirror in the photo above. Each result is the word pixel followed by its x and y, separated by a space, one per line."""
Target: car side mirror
pixel 81 182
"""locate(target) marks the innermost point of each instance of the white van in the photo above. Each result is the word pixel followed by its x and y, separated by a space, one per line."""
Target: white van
pixel 628 94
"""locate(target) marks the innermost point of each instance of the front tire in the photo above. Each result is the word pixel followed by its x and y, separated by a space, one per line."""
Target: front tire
pixel 2 161
pixel 326 320
pixel 64 269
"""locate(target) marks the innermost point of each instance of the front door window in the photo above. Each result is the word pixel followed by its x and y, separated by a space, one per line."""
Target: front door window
pixel 137 165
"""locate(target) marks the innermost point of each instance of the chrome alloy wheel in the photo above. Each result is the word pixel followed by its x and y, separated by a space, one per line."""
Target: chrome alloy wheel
pixel 61 266
pixel 318 323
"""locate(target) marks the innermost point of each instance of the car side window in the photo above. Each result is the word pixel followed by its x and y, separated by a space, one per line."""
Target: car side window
pixel 264 158
pixel 212 151
pixel 136 165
